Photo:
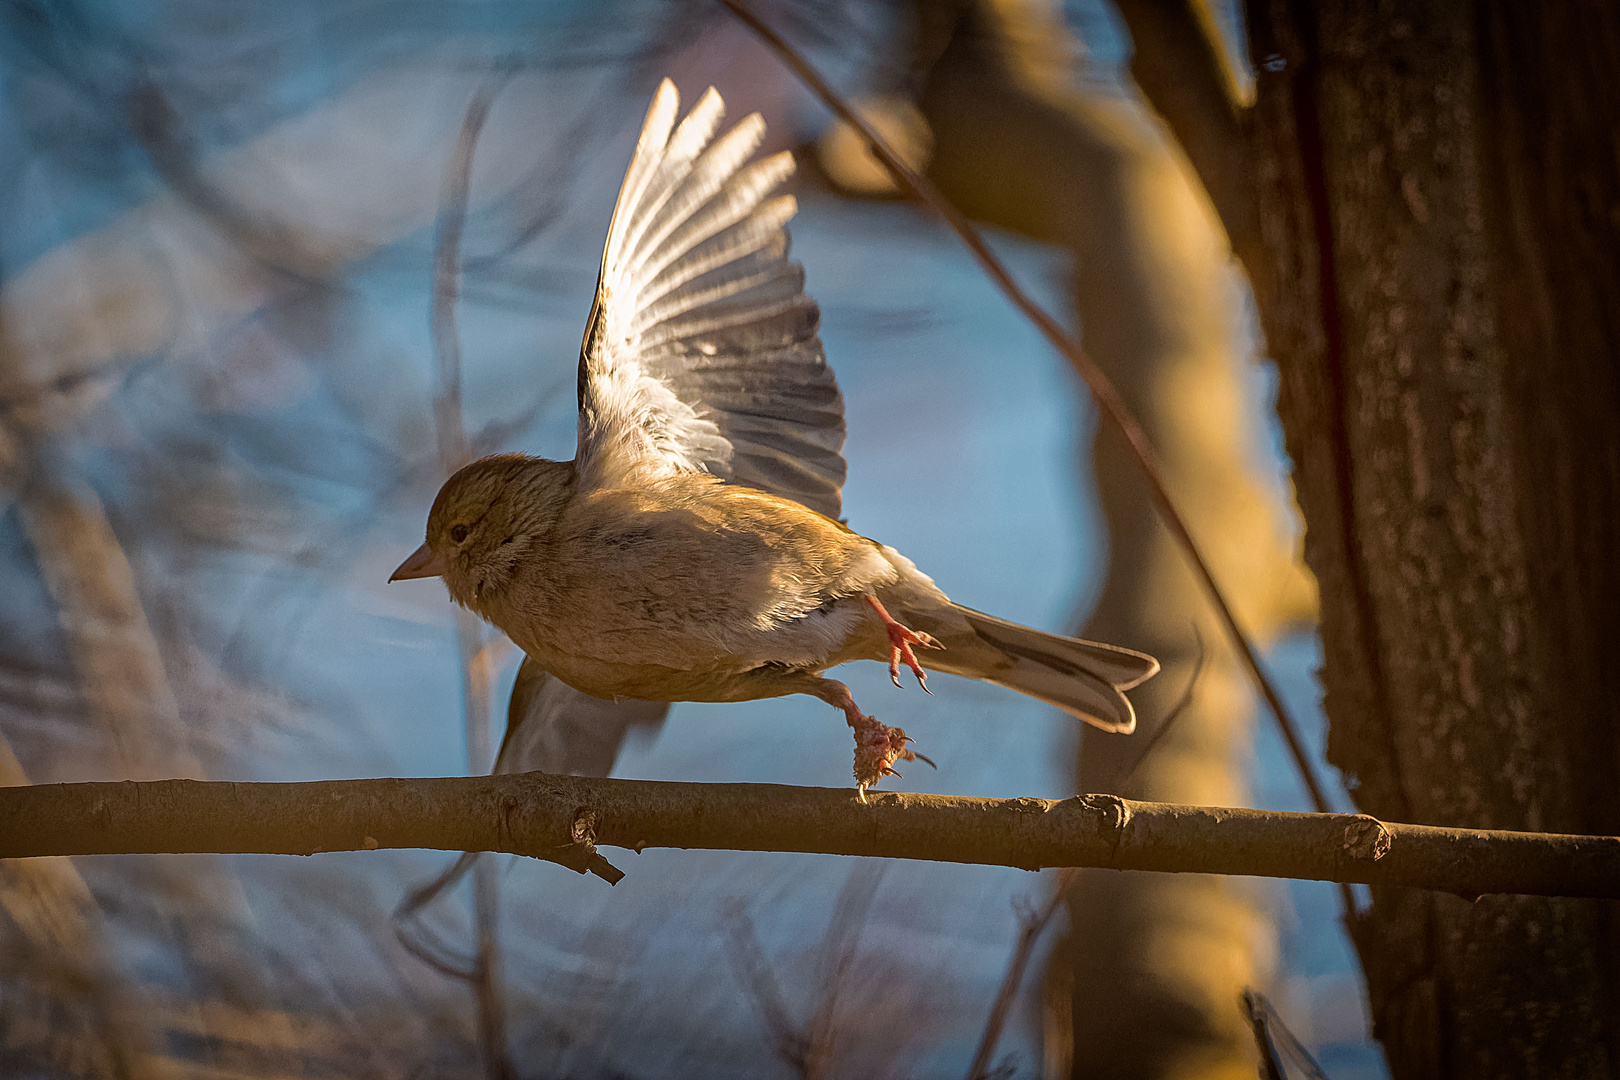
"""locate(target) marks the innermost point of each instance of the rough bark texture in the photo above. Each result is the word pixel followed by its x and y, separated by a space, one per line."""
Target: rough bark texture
pixel 1441 289
pixel 1552 192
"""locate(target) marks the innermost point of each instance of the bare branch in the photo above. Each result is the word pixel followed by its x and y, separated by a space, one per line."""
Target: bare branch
pixel 1164 726
pixel 1109 401
pixel 563 818
pixel 754 971
pixel 449 425
pixel 1031 924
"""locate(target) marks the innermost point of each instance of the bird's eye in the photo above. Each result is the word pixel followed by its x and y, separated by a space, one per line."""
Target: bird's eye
pixel 458 534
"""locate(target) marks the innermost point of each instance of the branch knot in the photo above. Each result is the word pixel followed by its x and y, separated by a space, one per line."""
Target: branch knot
pixel 1367 838
pixel 1113 811
pixel 580 854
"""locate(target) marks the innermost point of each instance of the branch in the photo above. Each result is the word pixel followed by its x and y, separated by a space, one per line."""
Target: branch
pixel 1031 924
pixel 448 425
pixel 563 818
pixel 447 229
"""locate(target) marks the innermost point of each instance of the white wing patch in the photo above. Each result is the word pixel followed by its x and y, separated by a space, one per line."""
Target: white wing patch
pixel 702 352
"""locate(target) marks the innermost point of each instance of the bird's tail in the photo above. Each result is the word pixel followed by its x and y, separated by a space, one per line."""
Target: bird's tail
pixel 1085 679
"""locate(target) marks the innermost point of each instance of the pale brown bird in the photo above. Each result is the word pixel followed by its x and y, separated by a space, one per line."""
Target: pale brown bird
pixel 691 551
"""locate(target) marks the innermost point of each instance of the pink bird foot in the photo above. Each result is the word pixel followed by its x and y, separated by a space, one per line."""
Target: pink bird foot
pixel 901 639
pixel 877 745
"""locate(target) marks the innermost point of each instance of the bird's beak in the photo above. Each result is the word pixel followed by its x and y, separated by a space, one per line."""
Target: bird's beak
pixel 424 562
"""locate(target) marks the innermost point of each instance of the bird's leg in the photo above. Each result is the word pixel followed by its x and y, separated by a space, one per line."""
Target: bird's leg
pixel 877 746
pixel 901 639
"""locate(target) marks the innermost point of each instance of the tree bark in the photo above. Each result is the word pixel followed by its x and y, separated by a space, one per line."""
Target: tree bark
pixel 1440 285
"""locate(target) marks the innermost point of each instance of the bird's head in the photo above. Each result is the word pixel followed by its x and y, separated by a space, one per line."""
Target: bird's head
pixel 485 518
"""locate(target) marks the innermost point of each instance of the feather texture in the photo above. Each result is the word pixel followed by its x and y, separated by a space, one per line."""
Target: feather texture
pixel 702 351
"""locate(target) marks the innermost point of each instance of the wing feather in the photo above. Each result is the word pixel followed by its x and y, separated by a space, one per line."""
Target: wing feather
pixel 682 301
pixel 654 136
pixel 693 188
pixel 759 239
pixel 671 167
pixel 720 210
pixel 702 351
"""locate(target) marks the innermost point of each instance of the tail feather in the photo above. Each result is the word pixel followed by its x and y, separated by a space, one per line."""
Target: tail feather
pixel 1085 679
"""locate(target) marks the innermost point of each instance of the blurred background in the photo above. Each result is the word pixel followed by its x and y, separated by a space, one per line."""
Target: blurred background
pixel 217 389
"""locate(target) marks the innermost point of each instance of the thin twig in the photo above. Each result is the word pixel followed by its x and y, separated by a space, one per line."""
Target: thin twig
pixel 448 228
pixel 1270 1067
pixel 1031 925
pixel 453 453
pixel 1170 718
pixel 1109 401
pixel 838 951
pixel 809 1048
pixel 421 942
pixel 754 971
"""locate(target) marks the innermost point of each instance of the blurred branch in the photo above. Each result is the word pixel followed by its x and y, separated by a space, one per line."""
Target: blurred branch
pixel 52 908
pixel 754 970
pixel 838 951
pixel 807 1049
pixel 1110 403
pixel 564 818
pixel 448 424
pixel 127 692
pixel 174 153
pixel 1167 724
pixel 1031 924
pixel 452 219
pixel 418 939
pixel 1182 68
pixel 120 665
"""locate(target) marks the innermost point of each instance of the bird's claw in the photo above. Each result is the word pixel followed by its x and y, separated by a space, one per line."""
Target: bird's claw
pixel 877 748
pixel 901 639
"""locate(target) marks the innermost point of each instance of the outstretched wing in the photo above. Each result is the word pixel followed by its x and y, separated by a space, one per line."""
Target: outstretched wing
pixel 701 354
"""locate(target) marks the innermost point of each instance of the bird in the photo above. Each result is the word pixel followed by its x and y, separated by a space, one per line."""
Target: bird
pixel 693 549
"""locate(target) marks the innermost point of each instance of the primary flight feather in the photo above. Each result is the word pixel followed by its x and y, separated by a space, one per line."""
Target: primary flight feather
pixel 691 551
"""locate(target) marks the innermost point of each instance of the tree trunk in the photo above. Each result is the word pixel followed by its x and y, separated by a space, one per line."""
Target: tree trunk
pixel 1440 284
